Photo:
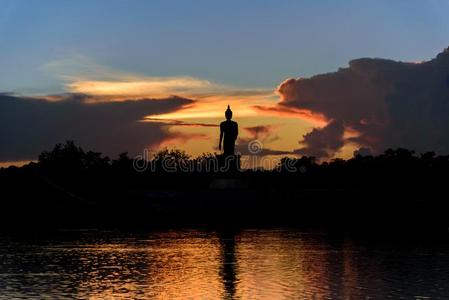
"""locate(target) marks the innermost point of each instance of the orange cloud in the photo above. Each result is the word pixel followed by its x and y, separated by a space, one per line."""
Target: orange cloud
pixel 142 87
pixel 283 111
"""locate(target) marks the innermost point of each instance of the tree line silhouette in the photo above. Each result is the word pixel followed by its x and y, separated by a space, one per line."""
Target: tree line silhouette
pixel 69 184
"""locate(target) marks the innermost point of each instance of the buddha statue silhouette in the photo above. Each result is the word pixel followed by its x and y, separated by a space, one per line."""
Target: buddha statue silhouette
pixel 229 131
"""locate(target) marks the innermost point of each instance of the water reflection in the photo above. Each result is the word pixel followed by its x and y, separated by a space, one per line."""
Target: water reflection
pixel 249 264
pixel 229 263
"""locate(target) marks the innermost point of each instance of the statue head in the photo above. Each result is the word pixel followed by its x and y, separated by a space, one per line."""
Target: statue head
pixel 228 113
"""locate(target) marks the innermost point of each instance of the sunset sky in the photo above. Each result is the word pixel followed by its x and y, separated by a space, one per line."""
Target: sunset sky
pixel 121 76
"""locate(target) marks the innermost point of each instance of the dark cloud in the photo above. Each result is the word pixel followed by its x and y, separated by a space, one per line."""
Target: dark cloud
pixel 262 132
pixel 256 130
pixel 181 123
pixel 389 103
pixel 323 142
pixel 259 137
pixel 30 125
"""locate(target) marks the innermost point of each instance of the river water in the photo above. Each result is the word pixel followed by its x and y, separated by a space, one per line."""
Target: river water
pixel 242 264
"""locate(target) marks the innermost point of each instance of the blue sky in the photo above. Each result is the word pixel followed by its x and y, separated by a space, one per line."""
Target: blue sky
pixel 240 43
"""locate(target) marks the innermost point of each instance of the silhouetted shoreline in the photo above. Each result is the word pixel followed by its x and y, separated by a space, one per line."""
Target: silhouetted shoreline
pixel 69 187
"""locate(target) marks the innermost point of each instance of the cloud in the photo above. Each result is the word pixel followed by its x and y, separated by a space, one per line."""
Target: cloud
pixel 152 86
pixel 285 111
pixel 80 74
pixel 388 103
pixel 255 143
pixel 173 123
pixel 323 142
pixel 262 132
pixel 83 75
pixel 30 125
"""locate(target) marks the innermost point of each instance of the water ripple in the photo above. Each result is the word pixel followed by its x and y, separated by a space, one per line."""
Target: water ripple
pixel 249 264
